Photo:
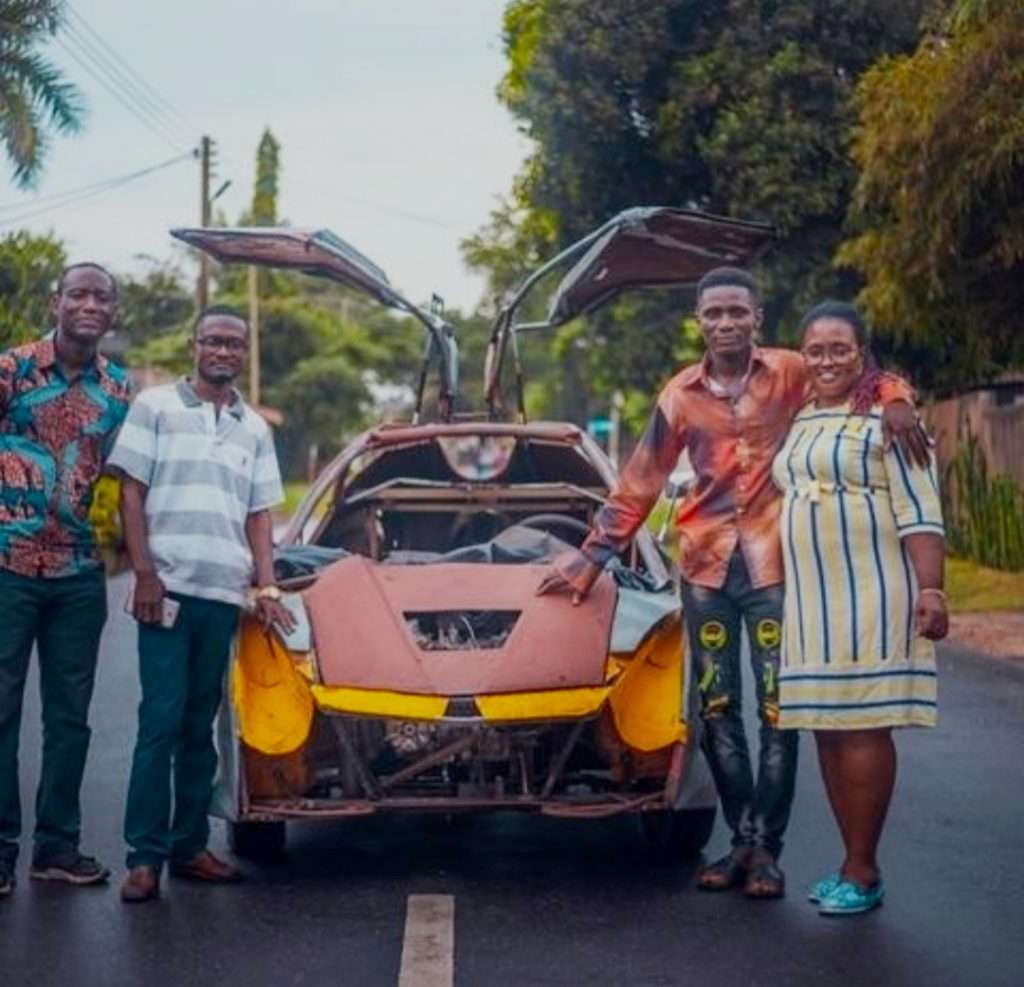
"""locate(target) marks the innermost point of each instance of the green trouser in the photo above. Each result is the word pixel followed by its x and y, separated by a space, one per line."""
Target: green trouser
pixel 64 618
pixel 182 670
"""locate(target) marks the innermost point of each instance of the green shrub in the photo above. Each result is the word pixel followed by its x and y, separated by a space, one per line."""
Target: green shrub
pixel 986 517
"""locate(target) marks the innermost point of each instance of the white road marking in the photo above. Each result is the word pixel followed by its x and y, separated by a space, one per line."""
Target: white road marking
pixel 428 950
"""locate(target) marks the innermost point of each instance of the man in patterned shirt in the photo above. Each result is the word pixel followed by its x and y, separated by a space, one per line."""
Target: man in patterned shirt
pixel 731 412
pixel 61 404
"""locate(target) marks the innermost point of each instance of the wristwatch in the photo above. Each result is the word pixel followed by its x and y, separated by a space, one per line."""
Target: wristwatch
pixel 267 593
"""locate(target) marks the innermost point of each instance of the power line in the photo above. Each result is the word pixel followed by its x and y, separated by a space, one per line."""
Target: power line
pixel 72 192
pixel 114 84
pixel 74 196
pixel 154 96
pixel 115 92
pixel 124 85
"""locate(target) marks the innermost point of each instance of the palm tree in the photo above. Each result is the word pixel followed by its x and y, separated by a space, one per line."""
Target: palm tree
pixel 34 96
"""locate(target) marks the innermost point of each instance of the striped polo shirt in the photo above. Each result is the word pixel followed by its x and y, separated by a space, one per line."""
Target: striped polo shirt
pixel 206 474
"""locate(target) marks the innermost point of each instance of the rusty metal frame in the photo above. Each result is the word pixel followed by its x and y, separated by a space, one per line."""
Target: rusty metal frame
pixel 367 778
pixel 431 760
pixel 598 806
pixel 562 758
pixel 310 808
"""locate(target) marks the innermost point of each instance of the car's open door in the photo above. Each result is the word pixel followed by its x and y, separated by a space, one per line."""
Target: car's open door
pixel 642 247
pixel 322 253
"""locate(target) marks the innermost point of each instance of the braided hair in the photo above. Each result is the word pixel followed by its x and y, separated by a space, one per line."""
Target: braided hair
pixel 866 391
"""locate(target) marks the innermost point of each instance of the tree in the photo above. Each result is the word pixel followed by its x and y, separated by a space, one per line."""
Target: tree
pixel 264 196
pixel 34 96
pixel 233 279
pixel 154 303
pixel 939 205
pixel 739 108
pixel 325 352
pixel 29 268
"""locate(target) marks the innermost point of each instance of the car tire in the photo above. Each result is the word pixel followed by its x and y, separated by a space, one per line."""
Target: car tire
pixel 680 833
pixel 257 840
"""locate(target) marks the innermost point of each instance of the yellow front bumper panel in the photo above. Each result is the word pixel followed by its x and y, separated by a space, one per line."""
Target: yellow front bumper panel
pixel 276 703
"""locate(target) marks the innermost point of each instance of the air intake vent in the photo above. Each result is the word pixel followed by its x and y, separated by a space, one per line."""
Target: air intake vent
pixel 462 708
pixel 461 630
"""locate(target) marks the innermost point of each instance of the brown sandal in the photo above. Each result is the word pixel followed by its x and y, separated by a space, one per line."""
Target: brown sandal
pixel 765 880
pixel 728 872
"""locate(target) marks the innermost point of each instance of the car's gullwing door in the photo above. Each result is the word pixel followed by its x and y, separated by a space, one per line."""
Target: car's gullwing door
pixel 651 246
pixel 320 253
pixel 360 610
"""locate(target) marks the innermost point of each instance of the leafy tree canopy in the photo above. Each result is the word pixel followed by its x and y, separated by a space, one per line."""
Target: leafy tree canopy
pixel 939 206
pixel 154 302
pixel 29 268
pixel 739 108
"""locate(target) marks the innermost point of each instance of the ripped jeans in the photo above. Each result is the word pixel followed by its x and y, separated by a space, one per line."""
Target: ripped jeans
pixel 757 812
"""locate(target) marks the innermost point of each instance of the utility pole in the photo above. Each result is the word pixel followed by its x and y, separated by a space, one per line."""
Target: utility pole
pixel 254 335
pixel 203 285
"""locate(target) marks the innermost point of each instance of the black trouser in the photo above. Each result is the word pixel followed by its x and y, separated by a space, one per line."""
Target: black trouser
pixel 64 618
pixel 757 812
pixel 181 670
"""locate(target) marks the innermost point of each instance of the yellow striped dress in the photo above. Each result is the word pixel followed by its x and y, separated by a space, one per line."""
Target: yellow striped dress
pixel 850 658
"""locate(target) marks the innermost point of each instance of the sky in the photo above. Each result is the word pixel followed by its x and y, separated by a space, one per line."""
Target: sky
pixel 390 131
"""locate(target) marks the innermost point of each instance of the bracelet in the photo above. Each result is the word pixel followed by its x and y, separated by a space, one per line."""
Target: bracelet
pixel 941 594
pixel 270 592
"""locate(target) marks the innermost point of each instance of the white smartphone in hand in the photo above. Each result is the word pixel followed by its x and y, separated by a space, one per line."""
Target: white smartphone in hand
pixel 168 614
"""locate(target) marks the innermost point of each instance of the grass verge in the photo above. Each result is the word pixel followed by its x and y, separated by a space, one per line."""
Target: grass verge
pixel 973 588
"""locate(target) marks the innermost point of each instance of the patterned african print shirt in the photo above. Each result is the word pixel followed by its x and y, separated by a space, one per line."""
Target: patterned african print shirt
pixel 731 441
pixel 55 434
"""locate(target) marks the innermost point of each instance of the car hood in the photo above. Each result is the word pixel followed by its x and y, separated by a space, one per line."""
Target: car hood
pixel 361 613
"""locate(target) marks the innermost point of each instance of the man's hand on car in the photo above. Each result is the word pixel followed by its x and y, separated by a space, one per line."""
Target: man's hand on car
pixel 147 605
pixel 555 582
pixel 901 422
pixel 269 611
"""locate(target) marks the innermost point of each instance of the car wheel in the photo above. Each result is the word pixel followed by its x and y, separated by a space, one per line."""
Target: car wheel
pixel 681 833
pixel 257 840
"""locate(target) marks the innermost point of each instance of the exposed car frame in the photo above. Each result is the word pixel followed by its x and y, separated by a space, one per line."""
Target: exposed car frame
pixel 553 718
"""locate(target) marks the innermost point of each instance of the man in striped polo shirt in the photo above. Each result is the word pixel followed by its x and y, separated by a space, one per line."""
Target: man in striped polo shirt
pixel 199 477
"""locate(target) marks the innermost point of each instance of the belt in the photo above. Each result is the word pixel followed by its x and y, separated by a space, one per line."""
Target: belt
pixel 812 491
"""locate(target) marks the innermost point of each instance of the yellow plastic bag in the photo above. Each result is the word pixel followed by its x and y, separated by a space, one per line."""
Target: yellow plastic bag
pixel 274 705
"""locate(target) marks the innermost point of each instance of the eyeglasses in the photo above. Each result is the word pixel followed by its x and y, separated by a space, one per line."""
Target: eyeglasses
pixel 837 352
pixel 229 343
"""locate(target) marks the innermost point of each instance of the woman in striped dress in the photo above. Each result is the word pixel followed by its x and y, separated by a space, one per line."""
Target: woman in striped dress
pixel 863 544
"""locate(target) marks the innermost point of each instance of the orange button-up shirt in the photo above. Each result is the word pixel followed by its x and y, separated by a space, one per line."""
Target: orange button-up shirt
pixel 731 442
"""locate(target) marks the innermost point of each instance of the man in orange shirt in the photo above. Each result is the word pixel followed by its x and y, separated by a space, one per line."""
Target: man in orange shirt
pixel 731 412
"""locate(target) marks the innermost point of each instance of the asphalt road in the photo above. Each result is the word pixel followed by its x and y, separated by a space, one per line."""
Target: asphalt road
pixel 547 902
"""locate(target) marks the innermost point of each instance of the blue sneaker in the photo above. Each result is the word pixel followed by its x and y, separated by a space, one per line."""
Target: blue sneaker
pixel 823 888
pixel 847 898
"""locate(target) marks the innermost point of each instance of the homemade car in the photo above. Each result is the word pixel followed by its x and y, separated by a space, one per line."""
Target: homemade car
pixel 426 674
